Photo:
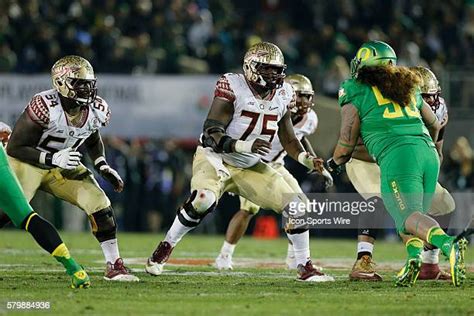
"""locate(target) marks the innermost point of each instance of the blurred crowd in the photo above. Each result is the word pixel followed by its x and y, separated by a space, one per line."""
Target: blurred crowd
pixel 318 37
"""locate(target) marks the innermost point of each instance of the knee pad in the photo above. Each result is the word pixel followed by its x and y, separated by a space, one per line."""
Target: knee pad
pixel 199 204
pixel 104 225
pixel 203 200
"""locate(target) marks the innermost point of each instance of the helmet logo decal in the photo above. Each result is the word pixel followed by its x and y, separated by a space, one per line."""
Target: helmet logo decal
pixel 364 53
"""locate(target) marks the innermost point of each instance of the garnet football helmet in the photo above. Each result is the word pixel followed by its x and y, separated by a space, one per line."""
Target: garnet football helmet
pixel 264 65
pixel 73 77
pixel 430 88
pixel 302 87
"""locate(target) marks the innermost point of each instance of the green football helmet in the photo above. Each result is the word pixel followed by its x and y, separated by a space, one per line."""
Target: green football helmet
pixel 373 53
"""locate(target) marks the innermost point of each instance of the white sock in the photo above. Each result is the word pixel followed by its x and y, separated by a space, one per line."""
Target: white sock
pixel 363 246
pixel 176 232
pixel 291 251
pixel 110 250
pixel 300 247
pixel 430 256
pixel 227 248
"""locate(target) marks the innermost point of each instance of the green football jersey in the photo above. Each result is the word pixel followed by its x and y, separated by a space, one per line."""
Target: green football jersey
pixel 384 124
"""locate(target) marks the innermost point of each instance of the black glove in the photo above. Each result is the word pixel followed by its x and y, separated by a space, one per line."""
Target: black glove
pixel 333 167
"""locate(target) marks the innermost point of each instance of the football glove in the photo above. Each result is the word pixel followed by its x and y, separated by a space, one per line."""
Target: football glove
pixel 333 167
pixel 316 164
pixel 109 174
pixel 67 158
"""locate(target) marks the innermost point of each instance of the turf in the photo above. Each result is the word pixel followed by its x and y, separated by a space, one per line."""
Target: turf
pixel 258 285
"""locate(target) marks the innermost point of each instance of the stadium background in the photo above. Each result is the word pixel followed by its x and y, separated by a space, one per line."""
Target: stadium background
pixel 157 62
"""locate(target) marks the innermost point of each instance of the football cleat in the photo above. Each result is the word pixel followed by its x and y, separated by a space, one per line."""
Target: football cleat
pixel 224 262
pixel 456 262
pixel 80 280
pixel 307 273
pixel 118 272
pixel 157 261
pixel 290 262
pixel 431 271
pixel 364 270
pixel 409 273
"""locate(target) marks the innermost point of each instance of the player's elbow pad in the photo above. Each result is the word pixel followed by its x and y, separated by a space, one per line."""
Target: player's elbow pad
pixel 225 144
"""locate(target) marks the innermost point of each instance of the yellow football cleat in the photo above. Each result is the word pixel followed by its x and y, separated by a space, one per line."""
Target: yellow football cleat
pixel 80 280
pixel 456 262
pixel 409 273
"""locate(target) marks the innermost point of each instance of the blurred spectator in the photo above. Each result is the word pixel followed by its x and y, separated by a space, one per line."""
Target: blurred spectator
pixel 7 58
pixel 459 167
pixel 337 72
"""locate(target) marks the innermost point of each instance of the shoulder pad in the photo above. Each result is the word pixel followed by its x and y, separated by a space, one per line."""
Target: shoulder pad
pixel 38 110
pixel 223 88
pixel 349 90
pixel 312 122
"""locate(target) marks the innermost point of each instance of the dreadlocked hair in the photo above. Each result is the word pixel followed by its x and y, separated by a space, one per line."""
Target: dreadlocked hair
pixel 394 82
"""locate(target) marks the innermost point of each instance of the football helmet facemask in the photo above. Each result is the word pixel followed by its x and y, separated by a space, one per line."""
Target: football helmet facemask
pixel 73 77
pixel 430 88
pixel 264 65
pixel 373 53
pixel 304 93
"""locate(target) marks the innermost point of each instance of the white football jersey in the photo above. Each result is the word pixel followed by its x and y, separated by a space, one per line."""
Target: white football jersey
pixel 58 133
pixel 442 111
pixel 305 127
pixel 253 117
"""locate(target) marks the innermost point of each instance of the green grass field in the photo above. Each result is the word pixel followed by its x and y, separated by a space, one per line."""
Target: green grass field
pixel 259 283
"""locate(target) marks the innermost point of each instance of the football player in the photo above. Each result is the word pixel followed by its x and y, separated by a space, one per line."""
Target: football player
pixel 382 104
pixel 305 122
pixel 247 112
pixel 15 205
pixel 43 152
pixel 365 176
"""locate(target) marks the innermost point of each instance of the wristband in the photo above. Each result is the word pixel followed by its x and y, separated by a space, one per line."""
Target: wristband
pixel 99 162
pixel 42 158
pixel 332 166
pixel 225 144
pixel 244 146
pixel 46 159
